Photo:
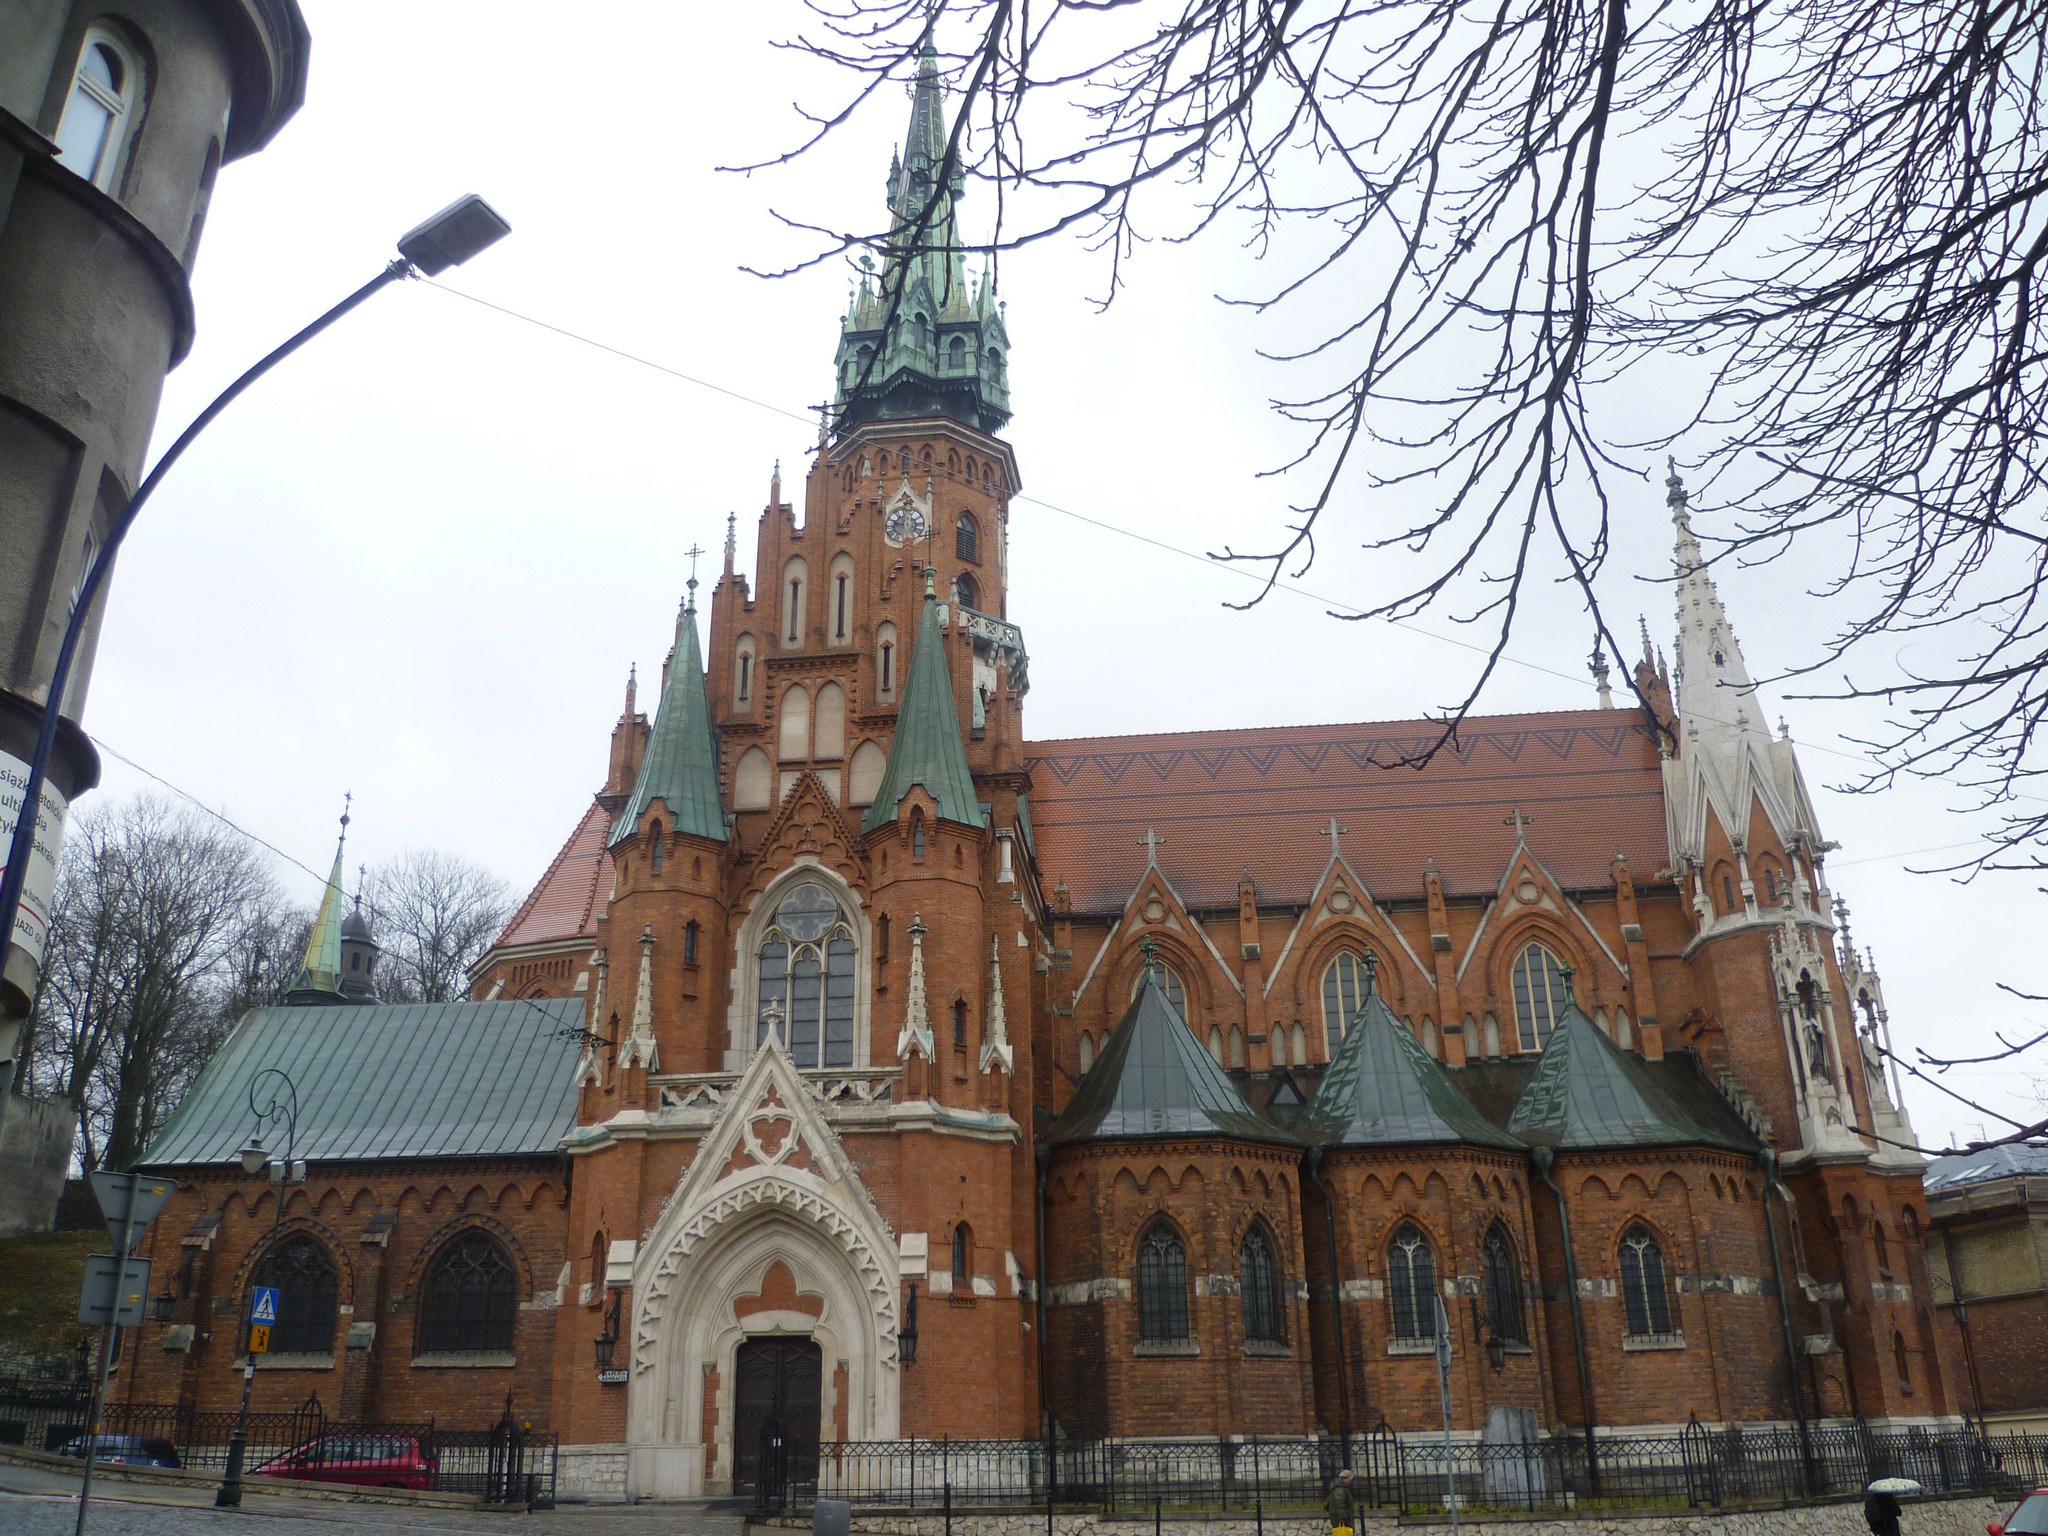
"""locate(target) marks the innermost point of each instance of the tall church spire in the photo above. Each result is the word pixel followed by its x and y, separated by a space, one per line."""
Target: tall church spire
pixel 680 765
pixel 919 340
pixel 928 750
pixel 319 978
pixel 1715 690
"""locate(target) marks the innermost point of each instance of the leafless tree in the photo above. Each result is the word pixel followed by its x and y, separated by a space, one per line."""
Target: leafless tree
pixel 153 903
pixel 433 913
pixel 1814 230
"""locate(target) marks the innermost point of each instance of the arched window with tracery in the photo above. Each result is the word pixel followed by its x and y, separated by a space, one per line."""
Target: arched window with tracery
pixel 471 1298
pixel 806 961
pixel 967 539
pixel 1169 983
pixel 1162 1285
pixel 1541 993
pixel 308 1286
pixel 1411 1284
pixel 1344 992
pixel 1503 1282
pixel 1645 1289
pixel 1258 1274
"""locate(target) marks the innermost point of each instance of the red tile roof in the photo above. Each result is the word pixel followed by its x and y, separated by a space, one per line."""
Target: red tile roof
pixel 572 895
pixel 1224 801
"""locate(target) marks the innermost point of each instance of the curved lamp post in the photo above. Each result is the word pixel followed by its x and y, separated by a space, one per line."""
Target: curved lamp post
pixel 449 238
pixel 280 1102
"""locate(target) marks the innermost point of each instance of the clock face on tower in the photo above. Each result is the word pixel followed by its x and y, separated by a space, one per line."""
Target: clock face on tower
pixel 905 524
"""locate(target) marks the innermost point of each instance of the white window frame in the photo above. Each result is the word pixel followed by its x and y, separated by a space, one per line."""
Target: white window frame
pixel 120 107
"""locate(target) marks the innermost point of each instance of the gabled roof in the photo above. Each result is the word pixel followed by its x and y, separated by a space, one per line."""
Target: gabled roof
pixel 567 901
pixel 1382 1089
pixel 1589 1093
pixel 927 750
pixel 1154 1079
pixel 415 1080
pixel 680 767
pixel 1225 801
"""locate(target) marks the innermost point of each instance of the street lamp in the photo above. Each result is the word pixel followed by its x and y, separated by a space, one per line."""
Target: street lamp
pixel 450 237
pixel 607 1341
pixel 280 1102
pixel 1496 1352
pixel 160 1309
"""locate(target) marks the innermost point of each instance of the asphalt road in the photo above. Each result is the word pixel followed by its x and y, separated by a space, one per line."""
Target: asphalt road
pixel 35 1502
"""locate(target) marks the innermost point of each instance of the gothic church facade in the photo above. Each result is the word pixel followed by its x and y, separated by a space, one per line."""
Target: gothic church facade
pixel 920 1078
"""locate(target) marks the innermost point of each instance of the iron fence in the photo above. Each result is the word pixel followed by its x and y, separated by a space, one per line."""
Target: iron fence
pixel 1412 1473
pixel 502 1463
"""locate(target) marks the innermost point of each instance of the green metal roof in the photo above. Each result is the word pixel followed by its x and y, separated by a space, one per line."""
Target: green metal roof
pixel 319 977
pixel 1154 1079
pixel 1382 1089
pixel 416 1080
pixel 681 765
pixel 1587 1093
pixel 927 750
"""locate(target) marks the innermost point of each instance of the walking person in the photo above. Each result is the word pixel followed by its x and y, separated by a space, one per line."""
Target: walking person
pixel 1881 1513
pixel 1344 1507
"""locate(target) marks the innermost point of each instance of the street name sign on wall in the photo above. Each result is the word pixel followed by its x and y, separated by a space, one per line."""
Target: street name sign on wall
pixel 114 1292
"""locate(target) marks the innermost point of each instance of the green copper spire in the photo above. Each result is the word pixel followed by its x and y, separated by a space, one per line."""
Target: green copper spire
pixel 681 765
pixel 319 978
pixel 920 339
pixel 927 749
pixel 1590 1093
pixel 1384 1090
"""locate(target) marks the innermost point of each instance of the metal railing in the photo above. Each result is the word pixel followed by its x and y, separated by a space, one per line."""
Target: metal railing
pixel 1414 1473
pixel 501 1463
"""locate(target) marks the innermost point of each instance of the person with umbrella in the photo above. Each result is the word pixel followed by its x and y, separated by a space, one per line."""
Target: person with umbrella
pixel 1881 1504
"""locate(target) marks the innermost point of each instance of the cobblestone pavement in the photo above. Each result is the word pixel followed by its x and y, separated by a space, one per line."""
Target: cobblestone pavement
pixel 34 1502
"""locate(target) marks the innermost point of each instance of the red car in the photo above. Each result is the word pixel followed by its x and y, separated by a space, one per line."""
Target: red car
pixel 373 1461
pixel 2030 1519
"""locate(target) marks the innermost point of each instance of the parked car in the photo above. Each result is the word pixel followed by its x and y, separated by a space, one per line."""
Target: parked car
pixel 125 1451
pixel 375 1461
pixel 2030 1519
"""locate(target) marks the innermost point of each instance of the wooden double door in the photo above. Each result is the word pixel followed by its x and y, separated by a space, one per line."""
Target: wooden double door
pixel 777 1395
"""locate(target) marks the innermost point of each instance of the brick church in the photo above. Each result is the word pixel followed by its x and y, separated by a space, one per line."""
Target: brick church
pixel 866 1066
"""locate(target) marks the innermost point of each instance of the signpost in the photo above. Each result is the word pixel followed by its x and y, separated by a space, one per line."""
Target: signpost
pixel 1443 1379
pixel 116 1288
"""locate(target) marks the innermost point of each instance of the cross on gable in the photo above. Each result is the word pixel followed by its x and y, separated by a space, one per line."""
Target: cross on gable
pixel 1517 820
pixel 1332 832
pixel 1151 842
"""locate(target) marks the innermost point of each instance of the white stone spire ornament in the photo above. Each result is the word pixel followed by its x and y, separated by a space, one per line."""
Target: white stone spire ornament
pixel 915 1038
pixel 995 1043
pixel 640 1049
pixel 590 1068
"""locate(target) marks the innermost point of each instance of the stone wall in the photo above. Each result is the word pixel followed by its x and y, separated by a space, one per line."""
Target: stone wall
pixel 1931 1517
pixel 35 1151
pixel 591 1474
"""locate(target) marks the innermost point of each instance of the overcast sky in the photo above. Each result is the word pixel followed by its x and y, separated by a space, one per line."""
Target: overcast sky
pixel 417 561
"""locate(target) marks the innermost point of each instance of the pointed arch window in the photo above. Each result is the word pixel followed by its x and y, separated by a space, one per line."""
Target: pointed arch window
pixel 963 1258
pixel 956 354
pixel 966 592
pixel 1258 1275
pixel 806 965
pixel 1540 995
pixel 959 1025
pixel 1901 1363
pixel 1169 983
pixel 917 839
pixel 1411 1284
pixel 690 935
pixel 1162 1285
pixel 471 1298
pixel 1645 1289
pixel 307 1286
pixel 967 539
pixel 1503 1282
pixel 1344 991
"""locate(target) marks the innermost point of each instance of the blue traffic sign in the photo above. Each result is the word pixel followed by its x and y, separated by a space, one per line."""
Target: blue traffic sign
pixel 263 1305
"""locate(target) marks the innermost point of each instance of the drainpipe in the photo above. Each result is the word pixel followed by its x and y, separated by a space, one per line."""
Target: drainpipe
pixel 1962 1312
pixel 1773 1185
pixel 1043 1154
pixel 1545 1158
pixel 1315 1172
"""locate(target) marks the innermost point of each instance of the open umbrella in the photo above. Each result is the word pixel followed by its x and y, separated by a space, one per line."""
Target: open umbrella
pixel 1895 1485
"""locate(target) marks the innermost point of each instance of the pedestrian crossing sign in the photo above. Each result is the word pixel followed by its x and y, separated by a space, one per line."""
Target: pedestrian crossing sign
pixel 263 1305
